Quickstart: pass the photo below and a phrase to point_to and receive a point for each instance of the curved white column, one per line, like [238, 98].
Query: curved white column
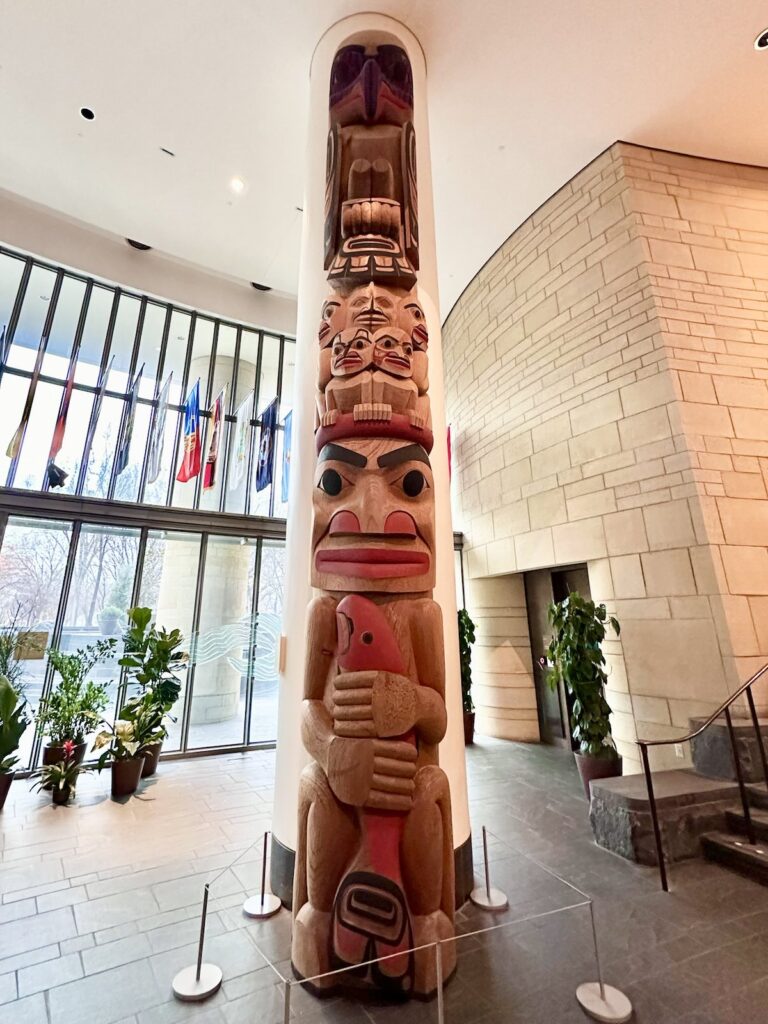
[313, 287]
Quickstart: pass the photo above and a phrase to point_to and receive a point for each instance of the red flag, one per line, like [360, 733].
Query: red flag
[211, 461]
[190, 464]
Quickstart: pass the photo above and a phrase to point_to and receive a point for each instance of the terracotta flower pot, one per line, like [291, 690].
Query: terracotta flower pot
[469, 728]
[151, 757]
[591, 767]
[61, 796]
[126, 775]
[54, 752]
[5, 784]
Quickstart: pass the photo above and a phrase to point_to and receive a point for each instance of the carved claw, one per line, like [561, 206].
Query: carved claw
[329, 418]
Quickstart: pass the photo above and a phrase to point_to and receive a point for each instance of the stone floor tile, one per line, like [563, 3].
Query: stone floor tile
[108, 997]
[113, 954]
[50, 974]
[31, 1010]
[34, 932]
[8, 990]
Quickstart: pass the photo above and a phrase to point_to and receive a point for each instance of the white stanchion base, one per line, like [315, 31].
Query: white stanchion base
[497, 901]
[189, 989]
[261, 906]
[615, 1008]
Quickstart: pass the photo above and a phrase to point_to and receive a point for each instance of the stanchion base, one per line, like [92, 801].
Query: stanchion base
[614, 1008]
[189, 989]
[496, 901]
[261, 906]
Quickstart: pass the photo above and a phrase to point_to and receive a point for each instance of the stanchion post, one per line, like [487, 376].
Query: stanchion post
[602, 1002]
[286, 1002]
[266, 903]
[439, 978]
[193, 984]
[487, 897]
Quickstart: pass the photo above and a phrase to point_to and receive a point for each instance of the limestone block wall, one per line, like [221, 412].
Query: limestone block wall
[593, 370]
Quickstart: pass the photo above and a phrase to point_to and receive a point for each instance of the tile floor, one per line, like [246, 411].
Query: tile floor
[100, 904]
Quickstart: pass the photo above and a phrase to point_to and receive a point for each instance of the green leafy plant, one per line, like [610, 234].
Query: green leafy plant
[16, 640]
[153, 659]
[466, 639]
[120, 740]
[63, 775]
[73, 709]
[575, 659]
[13, 722]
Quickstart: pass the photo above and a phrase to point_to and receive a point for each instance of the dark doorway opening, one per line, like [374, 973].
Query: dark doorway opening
[541, 587]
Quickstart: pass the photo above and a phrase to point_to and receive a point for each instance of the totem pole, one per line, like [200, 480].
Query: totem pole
[374, 874]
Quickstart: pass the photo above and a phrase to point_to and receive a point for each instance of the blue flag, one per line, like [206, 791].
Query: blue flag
[190, 463]
[266, 446]
[286, 481]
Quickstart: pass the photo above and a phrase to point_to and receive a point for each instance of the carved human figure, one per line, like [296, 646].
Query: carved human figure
[374, 713]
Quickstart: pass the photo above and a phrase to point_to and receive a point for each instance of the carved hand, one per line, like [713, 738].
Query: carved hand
[375, 704]
[372, 773]
[329, 418]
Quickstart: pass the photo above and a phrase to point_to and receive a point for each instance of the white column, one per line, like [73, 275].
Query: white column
[313, 287]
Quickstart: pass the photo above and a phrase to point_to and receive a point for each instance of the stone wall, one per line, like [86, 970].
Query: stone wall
[598, 372]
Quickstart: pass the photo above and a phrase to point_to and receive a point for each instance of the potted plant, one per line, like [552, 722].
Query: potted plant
[466, 639]
[152, 658]
[61, 778]
[575, 659]
[13, 722]
[73, 709]
[122, 754]
[109, 619]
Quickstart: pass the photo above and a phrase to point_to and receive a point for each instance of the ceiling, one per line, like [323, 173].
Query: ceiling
[523, 93]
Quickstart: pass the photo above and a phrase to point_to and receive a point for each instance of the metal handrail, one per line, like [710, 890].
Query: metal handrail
[724, 708]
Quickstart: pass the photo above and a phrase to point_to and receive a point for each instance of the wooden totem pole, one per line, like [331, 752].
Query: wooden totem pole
[374, 874]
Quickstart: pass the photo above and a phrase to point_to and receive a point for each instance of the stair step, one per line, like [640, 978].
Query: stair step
[736, 823]
[735, 852]
[758, 795]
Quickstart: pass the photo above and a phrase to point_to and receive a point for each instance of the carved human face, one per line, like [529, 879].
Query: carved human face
[393, 352]
[372, 307]
[374, 518]
[411, 319]
[352, 351]
[332, 319]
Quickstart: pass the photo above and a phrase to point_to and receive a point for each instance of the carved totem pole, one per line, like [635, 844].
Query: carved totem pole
[374, 872]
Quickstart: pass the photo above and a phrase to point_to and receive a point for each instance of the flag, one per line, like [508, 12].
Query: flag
[286, 480]
[126, 433]
[157, 440]
[190, 464]
[240, 452]
[56, 475]
[3, 346]
[266, 446]
[212, 458]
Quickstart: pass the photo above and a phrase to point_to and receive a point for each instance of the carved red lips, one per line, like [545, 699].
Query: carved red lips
[372, 563]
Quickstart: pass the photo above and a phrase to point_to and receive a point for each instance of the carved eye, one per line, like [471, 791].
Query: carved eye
[330, 482]
[367, 637]
[414, 483]
[387, 343]
[359, 344]
[408, 350]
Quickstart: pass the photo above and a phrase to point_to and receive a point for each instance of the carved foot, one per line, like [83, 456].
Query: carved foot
[372, 411]
[426, 929]
[310, 948]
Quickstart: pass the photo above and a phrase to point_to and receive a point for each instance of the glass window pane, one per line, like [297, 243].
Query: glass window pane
[102, 453]
[184, 494]
[100, 594]
[64, 327]
[33, 457]
[71, 454]
[270, 360]
[223, 376]
[32, 562]
[221, 646]
[11, 270]
[237, 466]
[94, 334]
[127, 482]
[13, 395]
[149, 347]
[266, 653]
[29, 329]
[155, 491]
[122, 343]
[176, 354]
[289, 367]
[168, 587]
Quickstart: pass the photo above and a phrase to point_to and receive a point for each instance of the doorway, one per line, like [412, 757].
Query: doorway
[541, 587]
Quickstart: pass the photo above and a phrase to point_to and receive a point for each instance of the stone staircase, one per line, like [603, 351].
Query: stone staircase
[733, 849]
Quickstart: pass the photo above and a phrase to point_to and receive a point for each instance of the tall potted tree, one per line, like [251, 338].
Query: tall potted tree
[13, 722]
[466, 639]
[575, 659]
[153, 659]
[73, 709]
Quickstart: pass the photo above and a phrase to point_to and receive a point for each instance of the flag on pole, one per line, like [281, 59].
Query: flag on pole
[240, 451]
[3, 345]
[157, 439]
[212, 458]
[126, 434]
[56, 475]
[286, 478]
[190, 464]
[266, 446]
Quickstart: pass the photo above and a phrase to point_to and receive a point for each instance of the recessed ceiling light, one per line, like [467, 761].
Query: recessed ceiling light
[761, 43]
[237, 185]
[89, 115]
[261, 287]
[141, 246]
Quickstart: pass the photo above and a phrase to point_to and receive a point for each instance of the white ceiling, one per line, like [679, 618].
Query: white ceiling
[523, 93]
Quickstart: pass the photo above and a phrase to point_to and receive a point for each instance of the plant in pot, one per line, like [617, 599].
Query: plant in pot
[152, 659]
[13, 722]
[466, 639]
[575, 659]
[73, 709]
[109, 619]
[61, 778]
[122, 753]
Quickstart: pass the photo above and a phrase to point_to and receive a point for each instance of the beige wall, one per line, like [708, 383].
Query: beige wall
[608, 400]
